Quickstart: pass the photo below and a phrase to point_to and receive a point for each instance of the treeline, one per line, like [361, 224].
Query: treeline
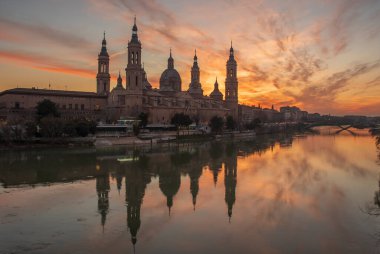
[47, 124]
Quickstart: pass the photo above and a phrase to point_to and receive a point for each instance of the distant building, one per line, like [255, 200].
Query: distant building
[293, 113]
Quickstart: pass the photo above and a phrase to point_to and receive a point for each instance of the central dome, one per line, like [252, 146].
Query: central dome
[170, 79]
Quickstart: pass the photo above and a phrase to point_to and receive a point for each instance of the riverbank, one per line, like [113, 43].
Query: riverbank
[49, 142]
[150, 138]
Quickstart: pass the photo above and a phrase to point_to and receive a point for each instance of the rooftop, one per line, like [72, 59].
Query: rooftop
[37, 91]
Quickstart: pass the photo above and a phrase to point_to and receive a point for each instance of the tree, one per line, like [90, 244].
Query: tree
[216, 124]
[51, 127]
[92, 127]
[230, 123]
[69, 129]
[46, 108]
[181, 119]
[30, 129]
[82, 128]
[136, 129]
[254, 124]
[143, 117]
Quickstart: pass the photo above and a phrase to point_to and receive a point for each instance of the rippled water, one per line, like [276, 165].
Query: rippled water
[274, 194]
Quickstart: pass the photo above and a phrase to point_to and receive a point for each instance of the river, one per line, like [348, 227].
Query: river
[309, 193]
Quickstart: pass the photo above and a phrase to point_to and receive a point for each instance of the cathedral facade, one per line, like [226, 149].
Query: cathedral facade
[127, 99]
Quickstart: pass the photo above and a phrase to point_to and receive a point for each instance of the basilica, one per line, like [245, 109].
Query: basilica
[137, 95]
[127, 99]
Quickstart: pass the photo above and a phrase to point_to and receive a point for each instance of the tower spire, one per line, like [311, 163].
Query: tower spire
[195, 57]
[134, 32]
[170, 60]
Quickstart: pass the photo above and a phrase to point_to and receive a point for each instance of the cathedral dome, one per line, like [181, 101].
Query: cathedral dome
[170, 79]
[216, 94]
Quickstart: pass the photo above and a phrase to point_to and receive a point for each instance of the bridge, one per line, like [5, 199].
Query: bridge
[342, 126]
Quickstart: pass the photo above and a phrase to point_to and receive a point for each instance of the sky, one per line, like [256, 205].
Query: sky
[320, 55]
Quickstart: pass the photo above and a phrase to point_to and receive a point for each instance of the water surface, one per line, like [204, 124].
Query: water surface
[273, 194]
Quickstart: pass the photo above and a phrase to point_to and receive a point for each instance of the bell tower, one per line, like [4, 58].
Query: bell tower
[134, 74]
[231, 85]
[134, 71]
[195, 87]
[103, 77]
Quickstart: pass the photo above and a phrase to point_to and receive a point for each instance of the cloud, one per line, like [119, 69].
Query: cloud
[26, 32]
[325, 92]
[45, 63]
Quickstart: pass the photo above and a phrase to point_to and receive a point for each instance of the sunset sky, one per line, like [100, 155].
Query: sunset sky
[320, 55]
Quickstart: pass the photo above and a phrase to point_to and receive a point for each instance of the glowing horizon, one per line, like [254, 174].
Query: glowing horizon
[319, 55]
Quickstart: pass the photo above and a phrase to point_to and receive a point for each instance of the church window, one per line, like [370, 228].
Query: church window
[17, 104]
[133, 57]
[136, 80]
[105, 86]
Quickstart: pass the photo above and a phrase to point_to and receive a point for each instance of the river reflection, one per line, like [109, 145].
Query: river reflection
[272, 194]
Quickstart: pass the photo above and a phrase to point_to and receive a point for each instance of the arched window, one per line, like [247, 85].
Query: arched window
[136, 80]
[137, 57]
[133, 58]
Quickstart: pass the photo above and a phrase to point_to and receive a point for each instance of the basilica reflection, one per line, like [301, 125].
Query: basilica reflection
[171, 164]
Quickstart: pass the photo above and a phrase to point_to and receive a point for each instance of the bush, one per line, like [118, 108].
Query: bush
[70, 129]
[82, 128]
[92, 127]
[136, 129]
[181, 119]
[230, 123]
[216, 124]
[256, 123]
[51, 127]
[143, 117]
[30, 129]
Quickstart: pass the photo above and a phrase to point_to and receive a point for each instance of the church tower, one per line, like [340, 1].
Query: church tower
[134, 74]
[195, 87]
[102, 189]
[230, 178]
[231, 85]
[103, 77]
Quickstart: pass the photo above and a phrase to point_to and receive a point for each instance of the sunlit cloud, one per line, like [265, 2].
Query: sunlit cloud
[301, 54]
